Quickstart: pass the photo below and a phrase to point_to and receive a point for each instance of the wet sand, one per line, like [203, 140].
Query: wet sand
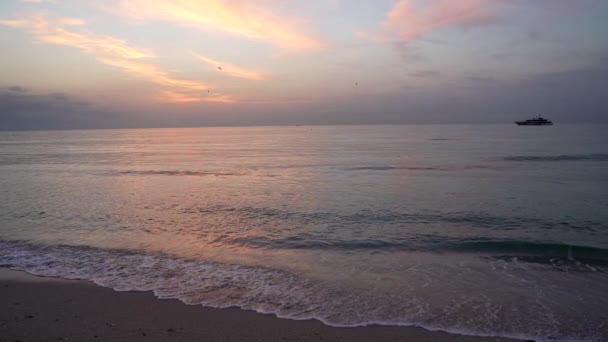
[49, 309]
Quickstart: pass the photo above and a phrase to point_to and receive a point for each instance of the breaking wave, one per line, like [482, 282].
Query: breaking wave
[282, 293]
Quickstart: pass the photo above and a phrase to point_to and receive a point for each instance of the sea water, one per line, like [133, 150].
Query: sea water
[477, 229]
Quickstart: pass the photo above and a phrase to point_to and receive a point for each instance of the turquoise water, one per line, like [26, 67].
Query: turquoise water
[482, 229]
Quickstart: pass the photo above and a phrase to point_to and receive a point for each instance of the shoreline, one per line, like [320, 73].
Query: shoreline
[54, 309]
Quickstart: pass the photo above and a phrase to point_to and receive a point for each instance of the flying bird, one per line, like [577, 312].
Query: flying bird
[219, 68]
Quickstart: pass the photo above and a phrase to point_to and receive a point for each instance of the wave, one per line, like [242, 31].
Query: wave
[173, 173]
[287, 295]
[389, 217]
[420, 168]
[531, 248]
[568, 157]
[593, 255]
[192, 281]
[301, 242]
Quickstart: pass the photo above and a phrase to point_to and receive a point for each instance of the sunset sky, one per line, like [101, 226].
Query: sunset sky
[157, 63]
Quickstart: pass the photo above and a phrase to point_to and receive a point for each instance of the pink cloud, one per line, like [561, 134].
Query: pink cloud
[54, 31]
[233, 70]
[118, 54]
[250, 19]
[409, 20]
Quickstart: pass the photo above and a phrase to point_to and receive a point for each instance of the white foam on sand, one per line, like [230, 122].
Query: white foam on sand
[263, 290]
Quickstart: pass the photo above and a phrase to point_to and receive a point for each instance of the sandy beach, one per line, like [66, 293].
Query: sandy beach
[49, 309]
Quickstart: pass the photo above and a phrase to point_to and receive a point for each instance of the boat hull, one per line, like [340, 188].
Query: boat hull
[519, 123]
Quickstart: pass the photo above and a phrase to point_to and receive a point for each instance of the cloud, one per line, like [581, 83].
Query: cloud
[180, 91]
[53, 31]
[107, 50]
[425, 73]
[250, 19]
[17, 89]
[487, 80]
[152, 73]
[174, 97]
[233, 70]
[24, 109]
[17, 99]
[409, 20]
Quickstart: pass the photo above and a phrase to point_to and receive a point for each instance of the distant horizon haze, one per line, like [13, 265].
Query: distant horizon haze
[297, 125]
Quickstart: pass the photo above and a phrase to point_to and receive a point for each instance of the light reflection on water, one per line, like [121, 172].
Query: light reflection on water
[451, 227]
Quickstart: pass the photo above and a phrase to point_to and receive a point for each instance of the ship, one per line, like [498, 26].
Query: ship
[538, 121]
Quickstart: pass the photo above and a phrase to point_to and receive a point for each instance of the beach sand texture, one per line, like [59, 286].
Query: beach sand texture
[50, 309]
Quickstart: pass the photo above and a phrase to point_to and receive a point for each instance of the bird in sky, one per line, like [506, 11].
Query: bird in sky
[219, 67]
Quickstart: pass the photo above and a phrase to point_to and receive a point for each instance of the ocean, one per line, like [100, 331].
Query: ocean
[492, 230]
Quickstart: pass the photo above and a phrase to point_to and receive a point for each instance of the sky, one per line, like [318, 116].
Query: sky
[68, 64]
